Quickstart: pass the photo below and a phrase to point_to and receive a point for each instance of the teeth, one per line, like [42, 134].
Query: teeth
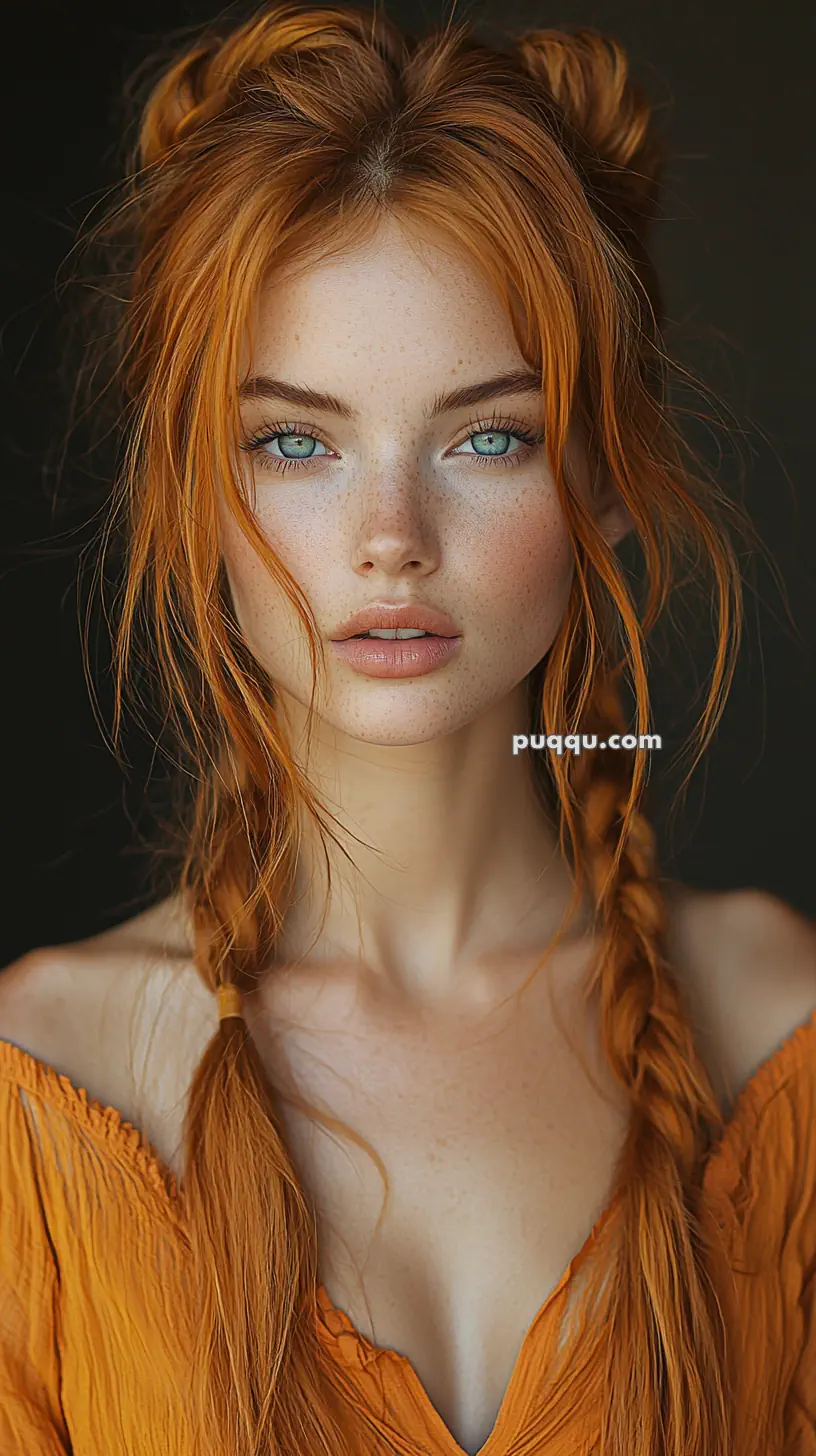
[393, 633]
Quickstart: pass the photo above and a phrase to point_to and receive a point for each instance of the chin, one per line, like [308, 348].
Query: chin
[399, 728]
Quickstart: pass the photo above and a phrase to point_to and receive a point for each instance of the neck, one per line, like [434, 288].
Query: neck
[457, 871]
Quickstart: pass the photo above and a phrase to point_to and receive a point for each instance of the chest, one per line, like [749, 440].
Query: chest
[499, 1153]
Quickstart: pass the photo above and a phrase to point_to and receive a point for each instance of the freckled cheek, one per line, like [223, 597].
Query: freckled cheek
[523, 564]
[309, 543]
[304, 545]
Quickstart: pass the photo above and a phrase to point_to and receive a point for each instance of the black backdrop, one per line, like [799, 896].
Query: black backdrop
[736, 248]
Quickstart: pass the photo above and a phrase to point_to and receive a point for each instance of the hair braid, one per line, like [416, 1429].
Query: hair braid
[236, 875]
[661, 1280]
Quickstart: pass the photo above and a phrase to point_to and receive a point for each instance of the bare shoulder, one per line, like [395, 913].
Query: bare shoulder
[121, 1013]
[747, 961]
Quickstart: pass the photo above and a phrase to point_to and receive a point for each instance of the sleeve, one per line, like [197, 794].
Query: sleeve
[800, 1404]
[31, 1417]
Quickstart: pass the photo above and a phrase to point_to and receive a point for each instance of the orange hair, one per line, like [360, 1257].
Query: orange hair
[282, 140]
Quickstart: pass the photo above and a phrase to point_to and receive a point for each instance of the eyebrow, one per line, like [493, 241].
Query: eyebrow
[519, 381]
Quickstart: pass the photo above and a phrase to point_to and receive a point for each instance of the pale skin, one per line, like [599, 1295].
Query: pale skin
[498, 1149]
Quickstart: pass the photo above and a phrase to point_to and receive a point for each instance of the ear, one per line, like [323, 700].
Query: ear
[611, 514]
[600, 496]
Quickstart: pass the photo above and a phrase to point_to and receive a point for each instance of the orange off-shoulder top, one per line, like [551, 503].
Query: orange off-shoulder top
[92, 1286]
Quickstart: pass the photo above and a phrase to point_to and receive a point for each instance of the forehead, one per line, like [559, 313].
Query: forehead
[403, 308]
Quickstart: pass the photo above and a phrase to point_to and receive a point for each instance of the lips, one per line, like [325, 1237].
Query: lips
[409, 657]
[390, 616]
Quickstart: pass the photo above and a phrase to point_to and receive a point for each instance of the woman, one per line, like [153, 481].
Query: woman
[391, 362]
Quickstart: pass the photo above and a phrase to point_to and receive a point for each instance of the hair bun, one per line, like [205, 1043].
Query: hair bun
[183, 97]
[198, 85]
[587, 73]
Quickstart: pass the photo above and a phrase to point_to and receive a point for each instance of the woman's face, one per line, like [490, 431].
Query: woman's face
[392, 501]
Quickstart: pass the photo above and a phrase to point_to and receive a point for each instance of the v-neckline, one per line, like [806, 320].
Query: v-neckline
[333, 1322]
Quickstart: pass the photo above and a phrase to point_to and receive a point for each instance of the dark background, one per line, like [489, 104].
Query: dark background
[736, 248]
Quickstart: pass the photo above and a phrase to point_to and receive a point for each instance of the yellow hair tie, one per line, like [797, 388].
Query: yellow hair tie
[229, 1001]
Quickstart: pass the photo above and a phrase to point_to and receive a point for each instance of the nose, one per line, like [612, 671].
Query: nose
[396, 535]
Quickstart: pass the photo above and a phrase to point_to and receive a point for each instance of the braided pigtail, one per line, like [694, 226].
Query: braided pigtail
[667, 1369]
[259, 1381]
[251, 1227]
